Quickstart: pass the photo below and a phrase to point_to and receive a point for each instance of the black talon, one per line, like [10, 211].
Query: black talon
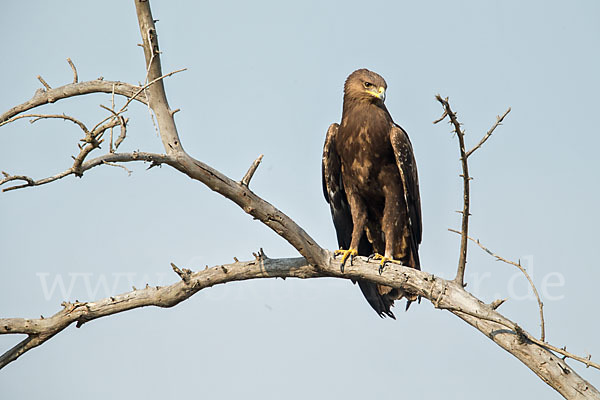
[381, 267]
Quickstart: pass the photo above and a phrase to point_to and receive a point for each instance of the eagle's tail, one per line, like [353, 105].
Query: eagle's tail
[381, 303]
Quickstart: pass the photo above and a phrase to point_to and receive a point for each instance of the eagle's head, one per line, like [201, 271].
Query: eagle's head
[365, 86]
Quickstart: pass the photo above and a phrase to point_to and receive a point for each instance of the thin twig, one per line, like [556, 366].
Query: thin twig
[37, 117]
[70, 90]
[75, 77]
[518, 265]
[246, 179]
[137, 93]
[44, 82]
[155, 159]
[122, 123]
[112, 107]
[585, 360]
[499, 119]
[440, 119]
[462, 261]
[112, 164]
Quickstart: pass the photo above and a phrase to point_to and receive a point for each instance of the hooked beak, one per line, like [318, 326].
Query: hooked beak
[378, 92]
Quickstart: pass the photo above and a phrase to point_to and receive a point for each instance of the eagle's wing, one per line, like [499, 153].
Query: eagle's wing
[333, 189]
[407, 166]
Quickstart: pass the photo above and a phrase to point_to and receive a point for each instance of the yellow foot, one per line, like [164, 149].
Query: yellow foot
[350, 253]
[384, 260]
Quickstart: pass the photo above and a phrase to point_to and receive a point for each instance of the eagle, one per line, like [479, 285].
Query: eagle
[371, 184]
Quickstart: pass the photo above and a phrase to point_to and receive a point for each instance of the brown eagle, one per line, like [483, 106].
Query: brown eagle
[370, 182]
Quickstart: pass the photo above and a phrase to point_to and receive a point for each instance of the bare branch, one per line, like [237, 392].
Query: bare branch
[158, 98]
[93, 141]
[44, 82]
[462, 261]
[140, 90]
[246, 179]
[112, 107]
[9, 178]
[42, 97]
[444, 294]
[499, 120]
[47, 116]
[318, 262]
[518, 265]
[75, 77]
[122, 123]
[129, 172]
[440, 119]
[155, 159]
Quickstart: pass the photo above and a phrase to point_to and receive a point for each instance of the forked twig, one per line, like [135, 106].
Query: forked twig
[518, 265]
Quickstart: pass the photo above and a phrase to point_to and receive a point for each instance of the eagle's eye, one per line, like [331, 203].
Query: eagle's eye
[368, 84]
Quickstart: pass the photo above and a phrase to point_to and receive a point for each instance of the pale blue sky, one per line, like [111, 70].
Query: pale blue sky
[266, 78]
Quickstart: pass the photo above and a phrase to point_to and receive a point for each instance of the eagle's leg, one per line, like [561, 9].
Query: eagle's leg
[350, 253]
[392, 227]
[359, 218]
[384, 260]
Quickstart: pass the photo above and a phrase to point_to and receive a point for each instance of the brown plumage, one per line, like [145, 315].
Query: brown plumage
[370, 182]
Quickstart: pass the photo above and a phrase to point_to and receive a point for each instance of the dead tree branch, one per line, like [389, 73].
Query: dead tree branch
[75, 77]
[442, 293]
[518, 265]
[462, 261]
[110, 158]
[316, 261]
[499, 120]
[246, 179]
[44, 82]
[42, 97]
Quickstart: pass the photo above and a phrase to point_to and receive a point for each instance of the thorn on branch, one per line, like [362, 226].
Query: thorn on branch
[184, 273]
[246, 179]
[497, 303]
[44, 82]
[153, 164]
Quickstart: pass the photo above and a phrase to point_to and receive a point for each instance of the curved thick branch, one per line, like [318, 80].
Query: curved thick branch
[442, 293]
[235, 191]
[42, 96]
